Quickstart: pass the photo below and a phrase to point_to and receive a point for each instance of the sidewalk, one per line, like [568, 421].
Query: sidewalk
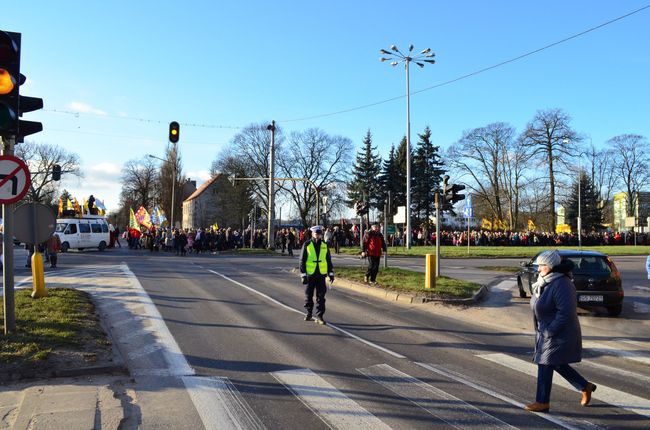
[154, 396]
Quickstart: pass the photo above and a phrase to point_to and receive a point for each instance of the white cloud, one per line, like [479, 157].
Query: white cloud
[85, 108]
[199, 175]
[106, 168]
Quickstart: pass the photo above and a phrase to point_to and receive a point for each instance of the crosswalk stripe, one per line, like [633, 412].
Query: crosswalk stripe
[438, 403]
[605, 394]
[617, 351]
[562, 421]
[220, 405]
[332, 406]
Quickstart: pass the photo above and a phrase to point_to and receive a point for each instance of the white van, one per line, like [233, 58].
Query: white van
[91, 231]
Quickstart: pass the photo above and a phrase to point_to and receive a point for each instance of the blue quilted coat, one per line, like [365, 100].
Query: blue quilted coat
[558, 339]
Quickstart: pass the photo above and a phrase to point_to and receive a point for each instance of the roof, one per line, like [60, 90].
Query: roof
[203, 187]
[578, 253]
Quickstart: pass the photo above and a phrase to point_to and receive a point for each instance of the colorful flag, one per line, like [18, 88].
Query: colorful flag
[68, 206]
[133, 223]
[161, 216]
[486, 224]
[75, 204]
[531, 225]
[154, 216]
[60, 211]
[143, 217]
[101, 209]
[215, 226]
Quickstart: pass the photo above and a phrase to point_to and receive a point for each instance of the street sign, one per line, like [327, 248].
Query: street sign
[34, 223]
[468, 212]
[400, 216]
[14, 179]
[630, 221]
[391, 229]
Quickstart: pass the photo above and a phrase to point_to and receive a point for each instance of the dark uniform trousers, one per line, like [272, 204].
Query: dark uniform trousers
[315, 282]
[373, 268]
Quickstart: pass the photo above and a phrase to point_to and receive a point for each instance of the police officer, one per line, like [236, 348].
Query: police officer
[315, 265]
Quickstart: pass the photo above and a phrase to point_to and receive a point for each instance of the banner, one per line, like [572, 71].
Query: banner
[531, 225]
[143, 217]
[486, 224]
[133, 223]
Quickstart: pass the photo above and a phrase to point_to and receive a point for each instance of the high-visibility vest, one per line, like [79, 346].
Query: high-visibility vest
[310, 264]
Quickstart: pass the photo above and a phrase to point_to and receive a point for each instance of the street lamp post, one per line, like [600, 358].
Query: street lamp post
[579, 219]
[271, 213]
[425, 56]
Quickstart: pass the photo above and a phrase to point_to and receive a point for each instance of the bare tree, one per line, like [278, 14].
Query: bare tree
[632, 165]
[603, 175]
[40, 158]
[322, 159]
[239, 196]
[496, 163]
[171, 175]
[140, 183]
[550, 136]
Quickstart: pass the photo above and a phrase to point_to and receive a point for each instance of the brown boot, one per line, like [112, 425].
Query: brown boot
[538, 407]
[586, 393]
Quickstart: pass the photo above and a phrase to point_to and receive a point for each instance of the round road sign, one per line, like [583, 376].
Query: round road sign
[14, 179]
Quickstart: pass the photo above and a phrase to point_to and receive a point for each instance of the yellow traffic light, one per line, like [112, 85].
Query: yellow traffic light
[7, 82]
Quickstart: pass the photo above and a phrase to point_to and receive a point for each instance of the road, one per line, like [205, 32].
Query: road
[237, 322]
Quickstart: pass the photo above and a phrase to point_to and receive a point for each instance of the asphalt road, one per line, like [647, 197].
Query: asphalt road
[238, 322]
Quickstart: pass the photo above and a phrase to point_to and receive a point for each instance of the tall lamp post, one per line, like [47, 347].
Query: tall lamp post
[579, 219]
[425, 56]
[269, 228]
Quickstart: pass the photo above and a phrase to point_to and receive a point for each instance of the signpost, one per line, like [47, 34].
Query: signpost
[14, 179]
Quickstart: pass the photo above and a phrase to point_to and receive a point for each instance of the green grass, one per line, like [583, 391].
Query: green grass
[408, 280]
[64, 319]
[502, 251]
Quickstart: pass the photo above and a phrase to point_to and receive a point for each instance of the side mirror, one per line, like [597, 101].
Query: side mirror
[523, 263]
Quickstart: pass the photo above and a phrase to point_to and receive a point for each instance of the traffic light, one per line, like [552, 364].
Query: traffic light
[174, 131]
[12, 104]
[56, 172]
[450, 192]
[361, 208]
[455, 196]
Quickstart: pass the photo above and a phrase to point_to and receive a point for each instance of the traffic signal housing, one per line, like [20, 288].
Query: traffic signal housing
[174, 131]
[361, 207]
[451, 192]
[12, 104]
[56, 172]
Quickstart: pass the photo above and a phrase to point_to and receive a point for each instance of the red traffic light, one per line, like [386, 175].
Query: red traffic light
[174, 131]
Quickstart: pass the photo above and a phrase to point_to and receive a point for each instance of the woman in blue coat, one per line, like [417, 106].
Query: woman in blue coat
[558, 339]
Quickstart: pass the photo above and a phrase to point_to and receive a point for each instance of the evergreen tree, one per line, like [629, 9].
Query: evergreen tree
[389, 181]
[427, 171]
[365, 181]
[399, 199]
[591, 211]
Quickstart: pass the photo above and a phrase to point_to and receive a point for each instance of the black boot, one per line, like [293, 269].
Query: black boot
[308, 317]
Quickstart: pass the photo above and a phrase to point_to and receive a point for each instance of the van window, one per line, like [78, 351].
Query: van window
[96, 228]
[84, 228]
[60, 227]
[104, 228]
[72, 229]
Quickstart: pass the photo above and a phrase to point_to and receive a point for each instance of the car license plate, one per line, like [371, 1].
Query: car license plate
[590, 298]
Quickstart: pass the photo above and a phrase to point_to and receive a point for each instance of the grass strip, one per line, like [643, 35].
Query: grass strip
[503, 251]
[411, 281]
[64, 319]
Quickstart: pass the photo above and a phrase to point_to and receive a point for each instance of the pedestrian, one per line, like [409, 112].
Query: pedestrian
[647, 266]
[117, 236]
[558, 338]
[53, 249]
[373, 245]
[315, 265]
[291, 241]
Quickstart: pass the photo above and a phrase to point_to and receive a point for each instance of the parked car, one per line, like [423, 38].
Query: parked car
[597, 280]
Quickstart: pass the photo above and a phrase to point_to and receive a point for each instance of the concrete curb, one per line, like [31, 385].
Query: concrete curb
[406, 297]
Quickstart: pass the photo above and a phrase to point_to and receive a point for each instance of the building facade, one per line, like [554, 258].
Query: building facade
[207, 206]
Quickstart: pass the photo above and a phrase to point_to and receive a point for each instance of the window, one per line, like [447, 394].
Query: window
[84, 228]
[60, 227]
[96, 228]
[104, 228]
[72, 229]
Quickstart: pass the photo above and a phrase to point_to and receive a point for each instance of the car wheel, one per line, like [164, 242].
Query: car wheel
[102, 245]
[615, 311]
[65, 246]
[522, 292]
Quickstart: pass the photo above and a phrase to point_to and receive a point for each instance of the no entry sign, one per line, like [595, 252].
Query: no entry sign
[14, 179]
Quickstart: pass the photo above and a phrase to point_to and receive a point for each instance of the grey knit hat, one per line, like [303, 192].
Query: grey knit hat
[548, 258]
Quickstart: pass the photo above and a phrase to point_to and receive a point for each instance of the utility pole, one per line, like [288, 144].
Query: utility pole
[271, 211]
[437, 234]
[8, 254]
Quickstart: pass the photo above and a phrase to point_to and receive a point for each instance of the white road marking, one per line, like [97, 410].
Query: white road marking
[617, 370]
[506, 285]
[564, 422]
[605, 394]
[329, 404]
[289, 308]
[220, 405]
[617, 351]
[640, 288]
[641, 308]
[450, 409]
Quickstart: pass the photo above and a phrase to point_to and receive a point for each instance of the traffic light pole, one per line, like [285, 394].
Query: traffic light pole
[8, 254]
[438, 220]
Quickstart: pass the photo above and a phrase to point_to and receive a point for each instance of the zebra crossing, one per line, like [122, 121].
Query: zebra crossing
[220, 405]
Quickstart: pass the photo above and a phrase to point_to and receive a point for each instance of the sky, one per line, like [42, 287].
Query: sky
[114, 74]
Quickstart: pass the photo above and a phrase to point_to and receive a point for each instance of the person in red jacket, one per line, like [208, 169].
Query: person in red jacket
[373, 245]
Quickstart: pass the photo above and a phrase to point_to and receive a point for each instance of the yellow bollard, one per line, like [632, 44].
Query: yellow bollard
[430, 276]
[38, 277]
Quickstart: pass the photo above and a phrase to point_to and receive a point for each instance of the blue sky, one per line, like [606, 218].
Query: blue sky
[114, 74]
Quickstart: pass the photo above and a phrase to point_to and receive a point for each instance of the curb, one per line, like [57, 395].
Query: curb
[405, 297]
[23, 376]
